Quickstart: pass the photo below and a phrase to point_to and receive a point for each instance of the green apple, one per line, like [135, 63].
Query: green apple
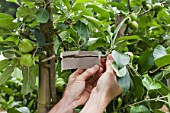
[157, 7]
[60, 83]
[134, 25]
[26, 46]
[133, 16]
[27, 60]
[148, 6]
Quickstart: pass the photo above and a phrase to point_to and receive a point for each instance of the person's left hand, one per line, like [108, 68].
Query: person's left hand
[80, 85]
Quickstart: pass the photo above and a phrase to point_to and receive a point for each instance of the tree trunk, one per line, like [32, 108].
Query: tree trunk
[118, 20]
[47, 91]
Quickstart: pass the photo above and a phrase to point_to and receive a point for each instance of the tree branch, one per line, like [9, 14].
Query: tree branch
[142, 101]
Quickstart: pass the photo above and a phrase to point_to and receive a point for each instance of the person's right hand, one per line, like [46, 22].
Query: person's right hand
[107, 83]
[106, 89]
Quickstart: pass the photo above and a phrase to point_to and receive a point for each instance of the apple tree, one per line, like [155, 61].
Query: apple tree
[135, 32]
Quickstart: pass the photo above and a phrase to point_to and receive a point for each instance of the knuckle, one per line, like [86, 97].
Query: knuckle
[110, 73]
[89, 71]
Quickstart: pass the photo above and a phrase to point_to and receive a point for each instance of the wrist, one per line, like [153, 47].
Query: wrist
[63, 106]
[97, 103]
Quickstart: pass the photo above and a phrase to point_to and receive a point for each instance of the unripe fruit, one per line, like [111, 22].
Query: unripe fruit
[60, 84]
[26, 46]
[134, 25]
[27, 60]
[133, 16]
[148, 6]
[129, 20]
[157, 7]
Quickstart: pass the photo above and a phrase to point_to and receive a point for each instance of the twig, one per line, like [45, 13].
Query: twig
[65, 47]
[146, 100]
[157, 69]
[51, 58]
[129, 6]
[27, 37]
[145, 12]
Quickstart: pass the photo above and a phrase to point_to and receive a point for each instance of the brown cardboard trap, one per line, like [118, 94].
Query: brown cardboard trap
[79, 59]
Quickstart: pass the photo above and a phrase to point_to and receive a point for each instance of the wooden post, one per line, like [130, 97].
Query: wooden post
[47, 91]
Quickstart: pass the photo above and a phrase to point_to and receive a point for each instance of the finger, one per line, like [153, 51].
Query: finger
[89, 87]
[103, 62]
[96, 76]
[109, 62]
[77, 73]
[95, 82]
[89, 72]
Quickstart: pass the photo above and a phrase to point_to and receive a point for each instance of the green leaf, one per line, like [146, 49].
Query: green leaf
[144, 109]
[119, 6]
[100, 11]
[125, 38]
[17, 73]
[7, 23]
[163, 61]
[39, 37]
[62, 26]
[116, 32]
[102, 1]
[94, 21]
[169, 99]
[82, 1]
[145, 61]
[139, 109]
[82, 30]
[13, 110]
[28, 14]
[154, 85]
[66, 3]
[42, 15]
[159, 51]
[149, 84]
[30, 104]
[135, 109]
[25, 11]
[28, 81]
[120, 72]
[4, 32]
[124, 82]
[100, 42]
[6, 74]
[28, 0]
[163, 14]
[155, 105]
[139, 89]
[164, 90]
[120, 59]
[7, 90]
[23, 110]
[4, 64]
[168, 50]
[15, 1]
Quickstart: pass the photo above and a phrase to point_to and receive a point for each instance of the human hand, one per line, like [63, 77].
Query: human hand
[80, 85]
[77, 92]
[106, 89]
[107, 83]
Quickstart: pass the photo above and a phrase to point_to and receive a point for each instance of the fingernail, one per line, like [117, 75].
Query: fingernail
[110, 57]
[96, 67]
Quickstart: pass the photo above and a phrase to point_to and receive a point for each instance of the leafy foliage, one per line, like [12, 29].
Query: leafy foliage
[142, 54]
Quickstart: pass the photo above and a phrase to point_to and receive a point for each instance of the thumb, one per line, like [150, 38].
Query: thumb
[109, 62]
